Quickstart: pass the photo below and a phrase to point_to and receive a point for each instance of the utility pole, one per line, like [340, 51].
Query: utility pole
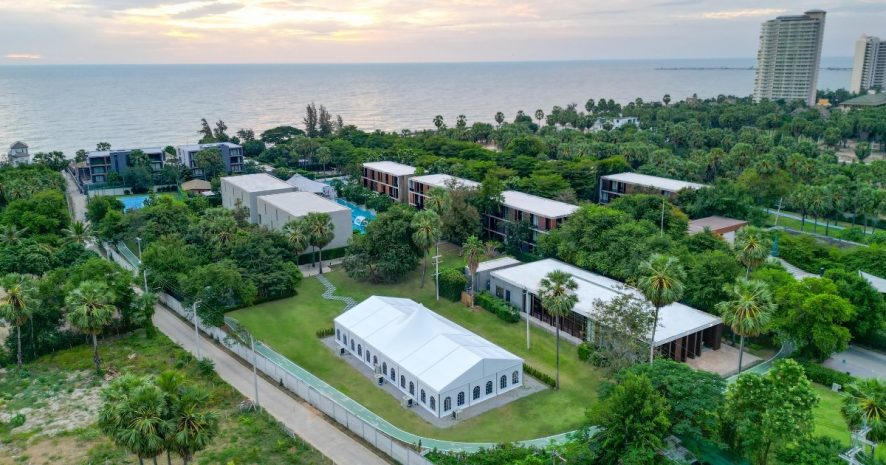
[145, 274]
[437, 274]
[778, 213]
[254, 370]
[196, 329]
[661, 228]
[526, 311]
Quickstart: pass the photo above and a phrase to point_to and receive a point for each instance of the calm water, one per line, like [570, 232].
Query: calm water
[71, 107]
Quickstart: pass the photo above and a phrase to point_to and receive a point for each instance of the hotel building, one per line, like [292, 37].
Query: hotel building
[789, 56]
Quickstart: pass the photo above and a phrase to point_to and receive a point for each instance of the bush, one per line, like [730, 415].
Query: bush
[330, 254]
[599, 360]
[584, 351]
[824, 375]
[325, 332]
[452, 282]
[497, 306]
[876, 340]
[205, 366]
[544, 378]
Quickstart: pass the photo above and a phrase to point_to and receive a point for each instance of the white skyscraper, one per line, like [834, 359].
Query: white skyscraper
[869, 67]
[788, 58]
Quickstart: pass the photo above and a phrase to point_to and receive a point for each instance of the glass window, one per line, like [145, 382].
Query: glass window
[461, 399]
[375, 360]
[422, 395]
[352, 344]
[402, 381]
[476, 393]
[338, 334]
[515, 378]
[393, 375]
[411, 388]
[447, 404]
[489, 388]
[359, 349]
[384, 368]
[345, 339]
[433, 403]
[504, 382]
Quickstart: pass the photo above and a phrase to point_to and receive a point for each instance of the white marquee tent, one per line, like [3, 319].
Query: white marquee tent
[436, 362]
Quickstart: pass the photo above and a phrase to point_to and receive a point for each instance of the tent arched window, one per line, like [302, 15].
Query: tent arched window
[352, 345]
[402, 381]
[504, 382]
[433, 403]
[447, 404]
[384, 368]
[461, 399]
[344, 339]
[367, 355]
[374, 360]
[476, 393]
[488, 387]
[515, 378]
[422, 396]
[359, 349]
[411, 388]
[338, 334]
[393, 375]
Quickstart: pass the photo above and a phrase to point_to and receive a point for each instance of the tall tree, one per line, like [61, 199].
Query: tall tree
[297, 235]
[90, 309]
[865, 405]
[427, 232]
[634, 418]
[193, 428]
[311, 121]
[752, 246]
[321, 231]
[473, 250]
[661, 282]
[748, 310]
[205, 130]
[78, 232]
[17, 304]
[133, 415]
[539, 115]
[499, 118]
[557, 294]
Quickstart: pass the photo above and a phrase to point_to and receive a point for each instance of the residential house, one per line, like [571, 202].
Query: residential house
[275, 210]
[613, 186]
[231, 155]
[719, 225]
[420, 185]
[246, 189]
[18, 154]
[541, 215]
[388, 178]
[101, 163]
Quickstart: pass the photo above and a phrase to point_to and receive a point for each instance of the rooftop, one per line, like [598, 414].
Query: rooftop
[665, 184]
[675, 320]
[19, 145]
[107, 153]
[302, 203]
[867, 100]
[715, 224]
[305, 184]
[444, 180]
[497, 263]
[877, 282]
[390, 167]
[256, 182]
[198, 147]
[196, 185]
[537, 205]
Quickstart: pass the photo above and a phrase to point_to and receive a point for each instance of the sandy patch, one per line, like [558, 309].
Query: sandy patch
[57, 410]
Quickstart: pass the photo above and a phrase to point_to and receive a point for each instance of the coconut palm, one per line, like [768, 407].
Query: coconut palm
[752, 246]
[865, 404]
[321, 231]
[427, 227]
[17, 305]
[539, 115]
[297, 235]
[90, 309]
[661, 282]
[437, 200]
[10, 234]
[78, 232]
[134, 416]
[557, 293]
[473, 250]
[748, 310]
[193, 428]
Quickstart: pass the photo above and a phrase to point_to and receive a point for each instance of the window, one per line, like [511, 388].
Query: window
[488, 388]
[447, 404]
[508, 295]
[344, 339]
[433, 403]
[515, 378]
[411, 388]
[402, 381]
[384, 368]
[393, 375]
[352, 345]
[499, 292]
[461, 399]
[338, 334]
[504, 382]
[359, 349]
[476, 393]
[374, 360]
[422, 395]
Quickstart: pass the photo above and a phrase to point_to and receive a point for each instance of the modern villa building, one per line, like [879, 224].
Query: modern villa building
[869, 66]
[18, 154]
[247, 188]
[305, 184]
[420, 185]
[101, 163]
[719, 225]
[435, 363]
[231, 155]
[388, 178]
[681, 332]
[789, 57]
[613, 186]
[275, 210]
[540, 213]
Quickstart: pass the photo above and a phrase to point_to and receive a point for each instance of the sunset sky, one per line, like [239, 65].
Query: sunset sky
[347, 31]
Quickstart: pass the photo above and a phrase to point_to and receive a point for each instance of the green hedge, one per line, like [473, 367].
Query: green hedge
[497, 306]
[452, 282]
[330, 254]
[824, 375]
[544, 378]
[584, 351]
[325, 332]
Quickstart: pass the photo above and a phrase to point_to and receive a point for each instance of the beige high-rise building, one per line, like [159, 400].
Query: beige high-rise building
[869, 67]
[789, 56]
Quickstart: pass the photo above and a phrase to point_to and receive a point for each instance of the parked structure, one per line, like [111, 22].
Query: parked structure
[436, 363]
[275, 210]
[789, 56]
[613, 186]
[305, 184]
[420, 185]
[388, 178]
[231, 155]
[101, 163]
[869, 66]
[719, 225]
[18, 154]
[541, 215]
[247, 188]
[681, 333]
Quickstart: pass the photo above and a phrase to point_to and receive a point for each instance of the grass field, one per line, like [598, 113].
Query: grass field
[289, 326]
[829, 422]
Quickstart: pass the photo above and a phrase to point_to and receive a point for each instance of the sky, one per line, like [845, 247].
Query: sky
[358, 31]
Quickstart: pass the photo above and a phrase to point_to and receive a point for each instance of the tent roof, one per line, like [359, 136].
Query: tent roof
[656, 182]
[437, 351]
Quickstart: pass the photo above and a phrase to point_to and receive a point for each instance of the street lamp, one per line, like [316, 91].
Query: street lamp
[138, 240]
[196, 328]
[254, 370]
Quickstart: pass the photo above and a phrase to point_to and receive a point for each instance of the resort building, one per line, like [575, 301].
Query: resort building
[541, 214]
[719, 225]
[18, 154]
[101, 163]
[869, 66]
[247, 188]
[305, 184]
[864, 101]
[681, 333]
[388, 178]
[420, 185]
[614, 123]
[613, 186]
[435, 363]
[231, 155]
[789, 56]
[275, 210]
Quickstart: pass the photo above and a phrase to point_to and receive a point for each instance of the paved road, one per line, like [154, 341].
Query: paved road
[859, 362]
[301, 419]
[76, 200]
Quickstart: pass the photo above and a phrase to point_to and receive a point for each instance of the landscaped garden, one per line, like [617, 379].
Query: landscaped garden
[290, 325]
[828, 420]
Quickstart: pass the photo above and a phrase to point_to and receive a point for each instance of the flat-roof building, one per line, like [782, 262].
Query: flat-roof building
[541, 214]
[275, 210]
[719, 225]
[613, 186]
[231, 156]
[869, 65]
[681, 331]
[438, 364]
[248, 188]
[420, 185]
[789, 56]
[388, 178]
[101, 163]
[305, 184]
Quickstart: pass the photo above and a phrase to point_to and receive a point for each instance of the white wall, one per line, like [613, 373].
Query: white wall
[274, 218]
[231, 193]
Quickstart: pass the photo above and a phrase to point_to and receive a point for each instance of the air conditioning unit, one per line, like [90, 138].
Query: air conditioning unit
[406, 401]
[380, 379]
[342, 351]
[456, 414]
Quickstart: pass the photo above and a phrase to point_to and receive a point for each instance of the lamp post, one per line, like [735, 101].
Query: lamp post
[437, 274]
[526, 311]
[138, 241]
[254, 370]
[196, 329]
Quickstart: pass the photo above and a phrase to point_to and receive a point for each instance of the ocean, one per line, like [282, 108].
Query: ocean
[71, 107]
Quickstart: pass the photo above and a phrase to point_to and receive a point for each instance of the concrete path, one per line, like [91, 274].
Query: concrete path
[299, 418]
[76, 200]
[329, 293]
[859, 362]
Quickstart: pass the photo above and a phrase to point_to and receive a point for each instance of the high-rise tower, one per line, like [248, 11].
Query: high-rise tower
[789, 56]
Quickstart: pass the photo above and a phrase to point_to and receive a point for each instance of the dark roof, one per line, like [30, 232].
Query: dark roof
[19, 145]
[867, 100]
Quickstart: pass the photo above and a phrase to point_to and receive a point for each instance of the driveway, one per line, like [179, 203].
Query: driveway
[862, 363]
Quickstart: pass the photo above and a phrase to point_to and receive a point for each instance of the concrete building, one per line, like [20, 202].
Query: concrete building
[681, 332]
[420, 185]
[613, 186]
[304, 184]
[18, 154]
[101, 163]
[601, 123]
[437, 365]
[869, 66]
[388, 178]
[789, 57]
[864, 101]
[275, 210]
[231, 155]
[541, 214]
[247, 189]
[719, 225]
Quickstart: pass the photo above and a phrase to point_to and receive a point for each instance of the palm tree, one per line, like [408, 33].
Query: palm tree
[557, 294]
[297, 236]
[499, 118]
[16, 305]
[472, 251]
[78, 232]
[748, 311]
[89, 311]
[438, 122]
[193, 428]
[10, 234]
[539, 115]
[865, 405]
[437, 200]
[427, 232]
[752, 246]
[133, 416]
[661, 282]
[321, 232]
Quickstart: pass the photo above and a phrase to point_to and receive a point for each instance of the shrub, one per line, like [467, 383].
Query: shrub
[599, 360]
[452, 282]
[17, 420]
[497, 306]
[330, 254]
[325, 332]
[824, 375]
[584, 351]
[544, 378]
[205, 366]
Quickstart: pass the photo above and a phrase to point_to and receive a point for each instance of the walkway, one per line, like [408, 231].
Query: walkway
[329, 293]
[76, 200]
[299, 418]
[858, 362]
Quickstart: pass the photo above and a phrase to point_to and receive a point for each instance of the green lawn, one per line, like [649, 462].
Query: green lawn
[809, 226]
[829, 422]
[289, 327]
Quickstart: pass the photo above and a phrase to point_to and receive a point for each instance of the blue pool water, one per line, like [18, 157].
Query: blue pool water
[360, 216]
[132, 202]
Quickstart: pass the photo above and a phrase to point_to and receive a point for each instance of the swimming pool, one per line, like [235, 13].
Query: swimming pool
[132, 202]
[360, 216]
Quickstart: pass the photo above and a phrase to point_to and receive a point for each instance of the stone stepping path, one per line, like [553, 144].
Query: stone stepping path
[329, 293]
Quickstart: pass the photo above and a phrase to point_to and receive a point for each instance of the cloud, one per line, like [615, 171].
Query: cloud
[24, 56]
[736, 14]
[208, 10]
